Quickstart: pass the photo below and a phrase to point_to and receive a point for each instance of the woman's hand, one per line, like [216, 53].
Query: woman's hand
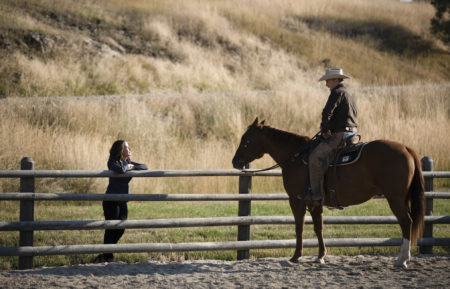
[130, 167]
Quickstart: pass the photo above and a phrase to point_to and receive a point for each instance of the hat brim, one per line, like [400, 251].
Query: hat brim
[333, 76]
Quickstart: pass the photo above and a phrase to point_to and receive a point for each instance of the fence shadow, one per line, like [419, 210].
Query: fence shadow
[146, 268]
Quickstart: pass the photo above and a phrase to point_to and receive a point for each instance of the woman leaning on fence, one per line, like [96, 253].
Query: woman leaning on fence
[119, 161]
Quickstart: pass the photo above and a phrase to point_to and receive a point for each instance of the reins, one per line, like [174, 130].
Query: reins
[266, 169]
[296, 155]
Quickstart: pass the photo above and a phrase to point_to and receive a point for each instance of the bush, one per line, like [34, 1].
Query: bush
[440, 24]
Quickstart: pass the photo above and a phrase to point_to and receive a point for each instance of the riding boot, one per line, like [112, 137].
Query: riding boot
[317, 196]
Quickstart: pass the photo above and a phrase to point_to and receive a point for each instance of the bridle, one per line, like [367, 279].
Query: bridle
[295, 156]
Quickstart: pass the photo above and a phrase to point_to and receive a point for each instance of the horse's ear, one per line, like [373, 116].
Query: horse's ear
[255, 122]
[262, 122]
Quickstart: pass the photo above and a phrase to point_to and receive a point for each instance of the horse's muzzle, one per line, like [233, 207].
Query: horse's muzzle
[237, 163]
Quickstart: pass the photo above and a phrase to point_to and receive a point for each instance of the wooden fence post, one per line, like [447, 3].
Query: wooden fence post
[427, 166]
[26, 212]
[245, 187]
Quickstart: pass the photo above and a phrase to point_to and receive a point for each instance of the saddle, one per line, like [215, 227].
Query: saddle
[346, 154]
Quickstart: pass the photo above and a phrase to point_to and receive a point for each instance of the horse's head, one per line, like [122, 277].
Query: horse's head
[251, 147]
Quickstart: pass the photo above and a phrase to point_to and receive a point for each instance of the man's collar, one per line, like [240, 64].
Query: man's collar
[338, 86]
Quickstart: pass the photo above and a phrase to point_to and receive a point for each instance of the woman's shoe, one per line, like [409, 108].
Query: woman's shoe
[99, 259]
[109, 257]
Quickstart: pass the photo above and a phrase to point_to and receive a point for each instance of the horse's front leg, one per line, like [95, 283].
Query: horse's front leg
[298, 210]
[317, 216]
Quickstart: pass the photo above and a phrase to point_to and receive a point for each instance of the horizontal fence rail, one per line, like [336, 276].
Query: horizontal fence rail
[163, 197]
[160, 174]
[135, 174]
[27, 196]
[202, 222]
[207, 246]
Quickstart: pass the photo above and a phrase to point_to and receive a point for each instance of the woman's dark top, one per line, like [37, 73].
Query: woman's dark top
[121, 185]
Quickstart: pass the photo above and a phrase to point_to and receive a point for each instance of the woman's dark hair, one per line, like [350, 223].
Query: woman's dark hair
[116, 150]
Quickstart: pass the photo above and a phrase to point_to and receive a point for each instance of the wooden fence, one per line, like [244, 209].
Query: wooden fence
[27, 225]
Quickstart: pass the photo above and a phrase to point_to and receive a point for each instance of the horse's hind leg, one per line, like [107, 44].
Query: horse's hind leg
[317, 216]
[401, 211]
[405, 254]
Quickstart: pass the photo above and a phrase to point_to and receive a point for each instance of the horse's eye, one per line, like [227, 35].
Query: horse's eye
[247, 143]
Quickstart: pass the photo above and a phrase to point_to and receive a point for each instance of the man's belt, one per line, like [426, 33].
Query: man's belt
[346, 129]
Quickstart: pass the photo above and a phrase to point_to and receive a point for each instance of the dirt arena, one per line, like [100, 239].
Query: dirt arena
[338, 272]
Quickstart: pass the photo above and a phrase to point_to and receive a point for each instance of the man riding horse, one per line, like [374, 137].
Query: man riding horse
[338, 120]
[384, 168]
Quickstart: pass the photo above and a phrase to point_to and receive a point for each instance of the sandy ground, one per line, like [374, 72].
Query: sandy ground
[338, 272]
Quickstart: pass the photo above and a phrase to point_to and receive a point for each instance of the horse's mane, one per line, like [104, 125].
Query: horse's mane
[285, 136]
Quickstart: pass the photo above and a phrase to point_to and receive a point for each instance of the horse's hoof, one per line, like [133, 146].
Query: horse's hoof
[320, 260]
[294, 260]
[401, 264]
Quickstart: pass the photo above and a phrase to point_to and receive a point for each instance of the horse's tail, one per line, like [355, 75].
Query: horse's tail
[417, 198]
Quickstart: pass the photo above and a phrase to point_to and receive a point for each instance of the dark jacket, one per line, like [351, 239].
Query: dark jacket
[121, 185]
[340, 110]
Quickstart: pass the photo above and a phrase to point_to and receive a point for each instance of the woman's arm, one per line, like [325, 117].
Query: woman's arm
[138, 166]
[118, 166]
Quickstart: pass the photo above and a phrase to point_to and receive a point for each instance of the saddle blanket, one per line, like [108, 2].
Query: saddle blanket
[349, 155]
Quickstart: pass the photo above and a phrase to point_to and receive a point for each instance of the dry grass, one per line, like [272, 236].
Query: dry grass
[201, 131]
[199, 49]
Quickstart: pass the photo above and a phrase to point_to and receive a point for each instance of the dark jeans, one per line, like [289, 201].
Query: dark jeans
[114, 211]
[319, 160]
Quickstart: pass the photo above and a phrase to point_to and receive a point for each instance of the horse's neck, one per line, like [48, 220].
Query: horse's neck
[282, 145]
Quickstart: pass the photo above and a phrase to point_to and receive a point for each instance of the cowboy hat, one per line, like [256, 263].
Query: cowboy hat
[333, 73]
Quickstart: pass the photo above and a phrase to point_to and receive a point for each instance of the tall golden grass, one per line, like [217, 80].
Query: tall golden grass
[202, 131]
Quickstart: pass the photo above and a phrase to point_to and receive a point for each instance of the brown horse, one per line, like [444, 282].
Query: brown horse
[385, 168]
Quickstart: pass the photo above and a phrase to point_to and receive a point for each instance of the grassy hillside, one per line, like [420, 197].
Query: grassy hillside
[111, 47]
